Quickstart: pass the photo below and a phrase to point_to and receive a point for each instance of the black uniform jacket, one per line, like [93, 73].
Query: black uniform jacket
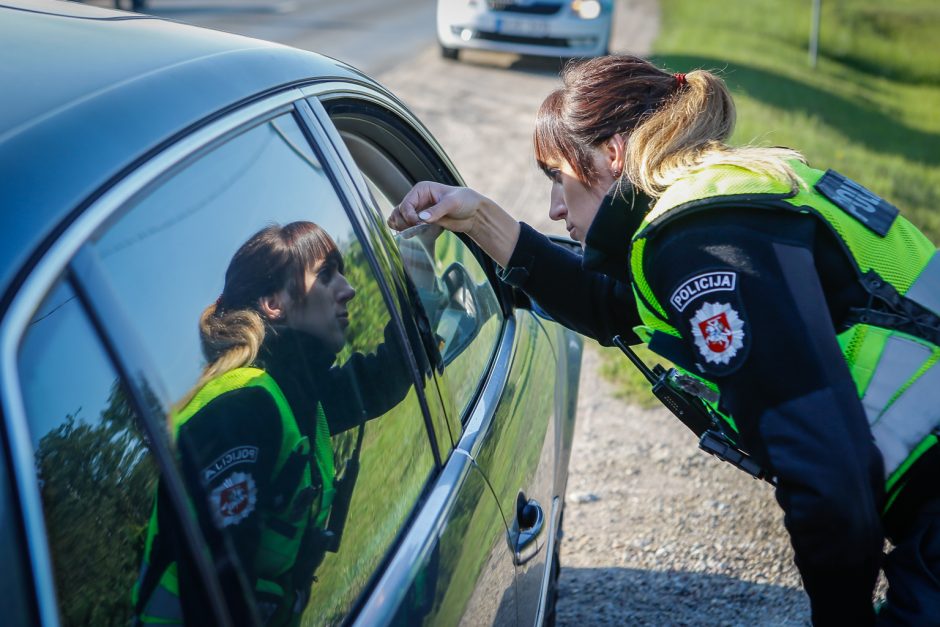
[758, 297]
[235, 439]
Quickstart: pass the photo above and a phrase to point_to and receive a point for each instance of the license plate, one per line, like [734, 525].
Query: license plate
[524, 28]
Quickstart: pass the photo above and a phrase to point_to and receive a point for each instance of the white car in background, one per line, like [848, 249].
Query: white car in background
[549, 28]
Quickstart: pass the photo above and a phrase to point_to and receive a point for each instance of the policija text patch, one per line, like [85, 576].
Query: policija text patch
[700, 285]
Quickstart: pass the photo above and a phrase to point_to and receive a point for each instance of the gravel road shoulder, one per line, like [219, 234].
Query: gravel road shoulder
[659, 533]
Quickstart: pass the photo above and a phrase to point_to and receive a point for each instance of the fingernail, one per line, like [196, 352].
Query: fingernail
[424, 215]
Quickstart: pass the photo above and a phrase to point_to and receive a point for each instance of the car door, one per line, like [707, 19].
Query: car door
[146, 260]
[501, 395]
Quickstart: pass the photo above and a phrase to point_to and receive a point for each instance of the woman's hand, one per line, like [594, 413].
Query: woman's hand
[462, 210]
[453, 208]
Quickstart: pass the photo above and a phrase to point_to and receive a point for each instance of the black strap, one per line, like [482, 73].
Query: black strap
[284, 486]
[690, 411]
[888, 309]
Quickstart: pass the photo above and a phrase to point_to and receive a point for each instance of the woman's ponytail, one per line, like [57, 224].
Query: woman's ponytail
[696, 118]
[230, 340]
[689, 131]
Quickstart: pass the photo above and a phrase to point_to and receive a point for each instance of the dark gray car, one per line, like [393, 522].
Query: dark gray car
[136, 155]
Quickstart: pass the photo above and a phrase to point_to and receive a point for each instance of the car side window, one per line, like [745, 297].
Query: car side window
[298, 427]
[452, 285]
[95, 472]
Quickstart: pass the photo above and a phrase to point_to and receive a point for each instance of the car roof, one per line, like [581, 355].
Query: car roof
[85, 92]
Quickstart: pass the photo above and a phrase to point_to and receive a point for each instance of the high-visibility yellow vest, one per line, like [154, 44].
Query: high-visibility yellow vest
[281, 530]
[894, 371]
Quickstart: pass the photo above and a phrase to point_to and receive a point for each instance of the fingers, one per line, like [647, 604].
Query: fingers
[422, 196]
[420, 205]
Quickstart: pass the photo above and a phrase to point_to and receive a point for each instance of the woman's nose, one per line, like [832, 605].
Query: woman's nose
[346, 291]
[556, 208]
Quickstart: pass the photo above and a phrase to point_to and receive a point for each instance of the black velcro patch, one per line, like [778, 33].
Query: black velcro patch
[871, 210]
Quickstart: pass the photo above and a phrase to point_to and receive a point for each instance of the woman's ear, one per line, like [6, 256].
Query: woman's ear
[274, 306]
[616, 153]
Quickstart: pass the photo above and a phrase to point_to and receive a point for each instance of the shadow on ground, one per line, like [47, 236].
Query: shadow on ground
[546, 66]
[539, 66]
[859, 120]
[628, 596]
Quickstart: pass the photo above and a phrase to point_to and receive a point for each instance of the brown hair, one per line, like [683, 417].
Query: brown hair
[671, 125]
[277, 257]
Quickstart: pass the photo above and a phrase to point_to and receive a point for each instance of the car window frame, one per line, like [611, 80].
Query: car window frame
[444, 432]
[70, 255]
[427, 154]
[428, 157]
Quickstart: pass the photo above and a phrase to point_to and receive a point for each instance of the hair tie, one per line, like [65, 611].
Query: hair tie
[680, 79]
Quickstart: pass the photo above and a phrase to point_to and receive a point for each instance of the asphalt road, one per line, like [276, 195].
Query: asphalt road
[372, 35]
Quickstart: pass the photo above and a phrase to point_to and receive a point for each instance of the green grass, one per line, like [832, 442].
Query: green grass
[387, 489]
[870, 109]
[631, 385]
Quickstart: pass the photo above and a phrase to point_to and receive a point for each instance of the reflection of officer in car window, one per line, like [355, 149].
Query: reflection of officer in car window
[254, 435]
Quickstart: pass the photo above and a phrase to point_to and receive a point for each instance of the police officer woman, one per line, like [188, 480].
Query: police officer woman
[254, 434]
[805, 300]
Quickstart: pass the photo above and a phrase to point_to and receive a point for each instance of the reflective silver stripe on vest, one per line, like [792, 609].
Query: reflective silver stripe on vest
[926, 288]
[899, 360]
[902, 426]
[163, 608]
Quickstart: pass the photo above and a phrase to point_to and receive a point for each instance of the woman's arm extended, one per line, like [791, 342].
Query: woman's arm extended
[592, 303]
[462, 210]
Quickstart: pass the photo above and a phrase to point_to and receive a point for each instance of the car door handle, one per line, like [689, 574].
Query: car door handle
[530, 519]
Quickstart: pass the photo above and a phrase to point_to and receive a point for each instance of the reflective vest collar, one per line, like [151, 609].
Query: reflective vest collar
[731, 184]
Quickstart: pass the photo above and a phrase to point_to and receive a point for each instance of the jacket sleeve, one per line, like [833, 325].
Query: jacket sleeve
[744, 291]
[229, 450]
[367, 385]
[591, 303]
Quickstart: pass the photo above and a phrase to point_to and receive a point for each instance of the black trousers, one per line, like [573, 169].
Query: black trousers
[913, 573]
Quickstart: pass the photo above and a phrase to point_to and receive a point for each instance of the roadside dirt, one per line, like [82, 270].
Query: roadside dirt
[656, 532]
[659, 533]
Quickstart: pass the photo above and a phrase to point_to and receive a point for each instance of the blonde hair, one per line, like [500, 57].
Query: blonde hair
[674, 124]
[689, 132]
[229, 340]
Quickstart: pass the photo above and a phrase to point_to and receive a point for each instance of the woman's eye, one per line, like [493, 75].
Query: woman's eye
[326, 274]
[555, 175]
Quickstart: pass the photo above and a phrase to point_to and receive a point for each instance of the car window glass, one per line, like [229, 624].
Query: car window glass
[95, 473]
[304, 447]
[452, 285]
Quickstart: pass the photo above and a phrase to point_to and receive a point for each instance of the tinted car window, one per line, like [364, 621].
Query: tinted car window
[95, 472]
[309, 479]
[460, 304]
[460, 301]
